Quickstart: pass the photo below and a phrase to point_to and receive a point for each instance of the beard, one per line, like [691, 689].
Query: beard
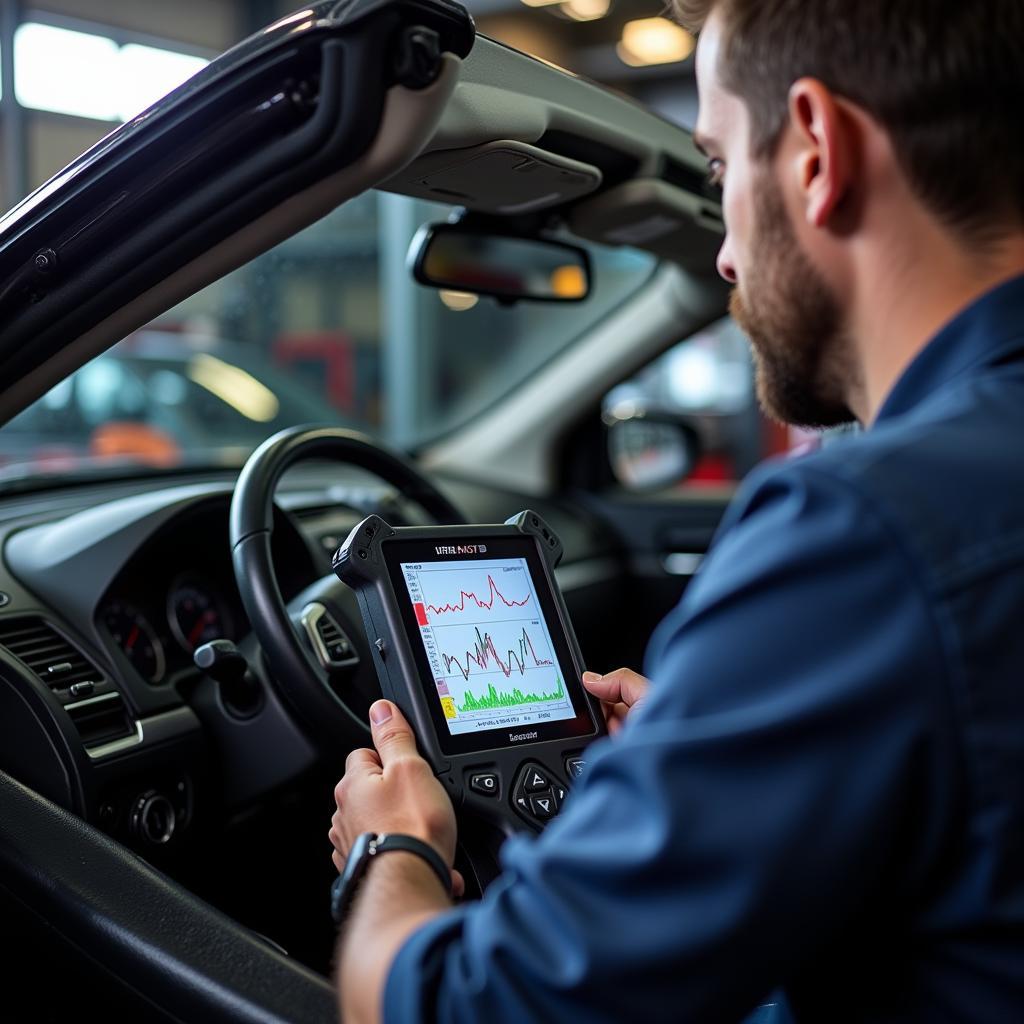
[803, 355]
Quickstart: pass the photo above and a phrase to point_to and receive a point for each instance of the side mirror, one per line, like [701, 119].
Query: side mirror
[650, 449]
[508, 268]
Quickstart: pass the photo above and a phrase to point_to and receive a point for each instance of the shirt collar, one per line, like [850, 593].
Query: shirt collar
[985, 333]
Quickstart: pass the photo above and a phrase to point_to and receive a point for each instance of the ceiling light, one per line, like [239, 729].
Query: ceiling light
[654, 41]
[66, 72]
[586, 10]
[540, 3]
[98, 79]
[233, 385]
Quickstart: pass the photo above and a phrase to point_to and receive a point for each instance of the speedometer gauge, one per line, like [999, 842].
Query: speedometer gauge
[195, 615]
[137, 638]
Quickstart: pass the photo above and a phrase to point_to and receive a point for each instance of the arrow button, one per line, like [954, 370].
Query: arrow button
[535, 781]
[543, 807]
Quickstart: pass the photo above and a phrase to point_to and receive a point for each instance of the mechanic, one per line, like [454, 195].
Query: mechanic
[823, 790]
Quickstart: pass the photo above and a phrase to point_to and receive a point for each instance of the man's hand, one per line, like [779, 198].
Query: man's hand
[619, 692]
[392, 789]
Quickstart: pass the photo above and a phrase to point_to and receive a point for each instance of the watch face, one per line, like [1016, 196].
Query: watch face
[344, 888]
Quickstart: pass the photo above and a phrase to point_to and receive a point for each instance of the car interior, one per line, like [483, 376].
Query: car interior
[165, 799]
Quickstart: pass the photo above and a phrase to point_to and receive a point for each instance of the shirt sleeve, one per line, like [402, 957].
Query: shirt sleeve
[790, 766]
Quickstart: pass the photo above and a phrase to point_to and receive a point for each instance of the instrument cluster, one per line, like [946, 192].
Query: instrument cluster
[159, 646]
[178, 591]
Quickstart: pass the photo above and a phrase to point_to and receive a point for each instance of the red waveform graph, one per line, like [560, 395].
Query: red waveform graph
[484, 656]
[487, 603]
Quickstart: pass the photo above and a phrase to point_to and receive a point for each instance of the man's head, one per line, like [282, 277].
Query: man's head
[836, 127]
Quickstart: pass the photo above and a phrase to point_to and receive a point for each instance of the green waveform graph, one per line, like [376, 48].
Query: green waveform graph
[501, 699]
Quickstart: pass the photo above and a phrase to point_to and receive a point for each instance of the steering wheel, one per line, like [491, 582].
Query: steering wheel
[301, 669]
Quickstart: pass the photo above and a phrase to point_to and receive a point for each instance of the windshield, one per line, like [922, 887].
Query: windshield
[328, 327]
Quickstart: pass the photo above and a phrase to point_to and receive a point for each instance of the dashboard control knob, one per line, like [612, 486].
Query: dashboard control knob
[153, 818]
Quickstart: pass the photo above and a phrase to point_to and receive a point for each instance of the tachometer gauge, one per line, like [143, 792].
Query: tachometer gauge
[137, 638]
[195, 615]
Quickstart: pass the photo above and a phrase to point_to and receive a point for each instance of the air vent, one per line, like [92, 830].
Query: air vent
[329, 632]
[49, 656]
[329, 641]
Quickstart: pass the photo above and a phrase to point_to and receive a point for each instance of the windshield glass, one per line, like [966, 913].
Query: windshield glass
[328, 327]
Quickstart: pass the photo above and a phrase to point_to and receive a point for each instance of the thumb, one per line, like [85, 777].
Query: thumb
[392, 734]
[621, 686]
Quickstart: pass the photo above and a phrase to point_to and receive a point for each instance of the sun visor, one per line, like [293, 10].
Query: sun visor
[504, 178]
[655, 216]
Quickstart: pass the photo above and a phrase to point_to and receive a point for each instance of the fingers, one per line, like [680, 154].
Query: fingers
[392, 735]
[359, 761]
[339, 853]
[458, 885]
[362, 759]
[621, 686]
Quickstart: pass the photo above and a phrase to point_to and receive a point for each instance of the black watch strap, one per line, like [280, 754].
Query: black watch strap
[388, 841]
[365, 849]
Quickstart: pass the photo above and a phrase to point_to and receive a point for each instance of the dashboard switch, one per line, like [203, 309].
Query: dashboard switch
[153, 818]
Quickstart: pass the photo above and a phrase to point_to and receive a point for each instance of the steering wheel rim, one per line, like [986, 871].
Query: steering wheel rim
[294, 671]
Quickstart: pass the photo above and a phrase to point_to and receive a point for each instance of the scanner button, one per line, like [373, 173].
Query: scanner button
[574, 767]
[559, 796]
[485, 782]
[542, 806]
[535, 780]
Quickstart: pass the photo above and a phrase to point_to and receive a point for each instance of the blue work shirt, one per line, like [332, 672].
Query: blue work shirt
[824, 791]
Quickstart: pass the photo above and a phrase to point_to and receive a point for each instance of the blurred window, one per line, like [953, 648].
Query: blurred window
[90, 75]
[327, 327]
[706, 382]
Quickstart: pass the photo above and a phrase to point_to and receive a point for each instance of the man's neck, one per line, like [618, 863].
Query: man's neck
[923, 282]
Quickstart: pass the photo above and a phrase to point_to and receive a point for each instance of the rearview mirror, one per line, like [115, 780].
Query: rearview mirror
[507, 267]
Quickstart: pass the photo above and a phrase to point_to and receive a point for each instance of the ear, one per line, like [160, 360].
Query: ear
[824, 156]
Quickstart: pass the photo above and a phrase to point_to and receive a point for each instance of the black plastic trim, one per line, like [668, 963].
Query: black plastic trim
[174, 950]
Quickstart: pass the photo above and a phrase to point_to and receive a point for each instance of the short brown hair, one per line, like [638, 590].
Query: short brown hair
[943, 77]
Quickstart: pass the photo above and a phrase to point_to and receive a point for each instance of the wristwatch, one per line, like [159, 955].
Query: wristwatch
[370, 845]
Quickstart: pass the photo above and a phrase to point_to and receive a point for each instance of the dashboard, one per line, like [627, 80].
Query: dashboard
[105, 594]
[107, 590]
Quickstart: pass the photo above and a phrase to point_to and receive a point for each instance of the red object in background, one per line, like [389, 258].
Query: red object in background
[712, 469]
[421, 613]
[333, 351]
